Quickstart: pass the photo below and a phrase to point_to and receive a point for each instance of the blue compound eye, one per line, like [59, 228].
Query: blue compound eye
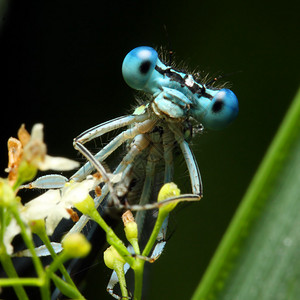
[138, 66]
[222, 110]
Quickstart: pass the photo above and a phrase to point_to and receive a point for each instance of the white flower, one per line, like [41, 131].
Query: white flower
[35, 153]
[53, 205]
[57, 163]
[48, 206]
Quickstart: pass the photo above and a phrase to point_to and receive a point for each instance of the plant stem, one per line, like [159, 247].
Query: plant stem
[139, 263]
[11, 272]
[45, 290]
[162, 214]
[119, 269]
[61, 267]
[20, 282]
[138, 278]
[112, 239]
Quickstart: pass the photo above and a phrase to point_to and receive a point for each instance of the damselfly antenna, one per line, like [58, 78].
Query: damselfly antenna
[221, 76]
[170, 51]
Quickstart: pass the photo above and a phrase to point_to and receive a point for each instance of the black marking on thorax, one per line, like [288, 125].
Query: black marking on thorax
[195, 88]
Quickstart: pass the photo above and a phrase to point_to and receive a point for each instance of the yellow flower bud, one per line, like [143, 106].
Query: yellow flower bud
[111, 257]
[168, 190]
[131, 231]
[130, 226]
[76, 245]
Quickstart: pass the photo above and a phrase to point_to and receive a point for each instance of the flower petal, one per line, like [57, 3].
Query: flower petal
[75, 192]
[57, 163]
[10, 232]
[48, 206]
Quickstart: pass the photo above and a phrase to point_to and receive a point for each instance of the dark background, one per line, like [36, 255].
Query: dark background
[60, 63]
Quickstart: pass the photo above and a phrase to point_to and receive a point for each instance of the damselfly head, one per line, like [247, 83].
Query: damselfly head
[138, 66]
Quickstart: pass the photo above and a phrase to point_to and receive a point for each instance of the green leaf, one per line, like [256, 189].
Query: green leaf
[259, 256]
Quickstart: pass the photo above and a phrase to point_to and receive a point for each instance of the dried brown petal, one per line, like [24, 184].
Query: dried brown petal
[15, 153]
[23, 135]
[127, 217]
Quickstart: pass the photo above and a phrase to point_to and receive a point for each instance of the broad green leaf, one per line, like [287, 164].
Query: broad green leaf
[259, 256]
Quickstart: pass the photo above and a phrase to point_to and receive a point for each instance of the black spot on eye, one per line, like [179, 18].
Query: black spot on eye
[145, 66]
[217, 107]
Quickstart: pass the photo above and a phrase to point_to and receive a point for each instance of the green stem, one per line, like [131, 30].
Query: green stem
[139, 263]
[50, 273]
[45, 290]
[45, 239]
[20, 282]
[6, 259]
[112, 239]
[119, 269]
[135, 245]
[162, 214]
[3, 215]
[59, 260]
[11, 272]
[138, 278]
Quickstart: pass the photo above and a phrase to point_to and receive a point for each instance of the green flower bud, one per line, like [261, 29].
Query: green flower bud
[131, 231]
[130, 226]
[168, 190]
[112, 257]
[76, 245]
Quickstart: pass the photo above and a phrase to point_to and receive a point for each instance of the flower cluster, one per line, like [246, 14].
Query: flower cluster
[27, 154]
